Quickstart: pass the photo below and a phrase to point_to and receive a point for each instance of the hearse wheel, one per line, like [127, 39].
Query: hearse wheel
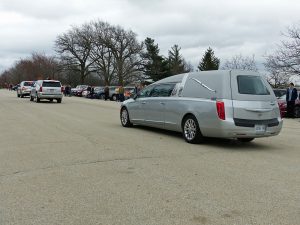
[191, 131]
[124, 116]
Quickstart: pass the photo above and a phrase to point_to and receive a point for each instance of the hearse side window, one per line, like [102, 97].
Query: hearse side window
[51, 84]
[144, 93]
[162, 90]
[251, 85]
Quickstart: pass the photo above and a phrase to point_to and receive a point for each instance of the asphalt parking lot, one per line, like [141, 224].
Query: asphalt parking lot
[73, 163]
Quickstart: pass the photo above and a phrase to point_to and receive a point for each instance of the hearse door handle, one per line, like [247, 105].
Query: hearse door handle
[143, 103]
[162, 103]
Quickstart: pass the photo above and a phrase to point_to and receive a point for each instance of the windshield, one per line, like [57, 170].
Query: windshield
[27, 83]
[252, 85]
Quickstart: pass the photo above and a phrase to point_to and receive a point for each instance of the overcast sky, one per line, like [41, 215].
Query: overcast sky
[229, 27]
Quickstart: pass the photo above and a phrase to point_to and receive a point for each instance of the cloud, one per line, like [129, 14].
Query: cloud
[230, 27]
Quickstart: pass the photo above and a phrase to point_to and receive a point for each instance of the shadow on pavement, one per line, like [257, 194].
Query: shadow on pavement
[228, 144]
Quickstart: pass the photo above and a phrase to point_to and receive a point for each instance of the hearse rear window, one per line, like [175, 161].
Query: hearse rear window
[251, 85]
[51, 84]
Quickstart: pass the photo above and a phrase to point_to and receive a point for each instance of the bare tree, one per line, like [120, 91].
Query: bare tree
[126, 51]
[5, 79]
[240, 62]
[38, 66]
[44, 66]
[286, 58]
[102, 55]
[278, 79]
[74, 48]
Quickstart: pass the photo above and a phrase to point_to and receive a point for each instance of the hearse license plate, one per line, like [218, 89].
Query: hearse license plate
[260, 128]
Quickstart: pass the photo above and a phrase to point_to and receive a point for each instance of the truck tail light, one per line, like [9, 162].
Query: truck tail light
[41, 89]
[220, 110]
[62, 89]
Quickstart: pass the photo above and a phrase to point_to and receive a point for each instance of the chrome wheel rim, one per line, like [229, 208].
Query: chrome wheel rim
[124, 116]
[190, 129]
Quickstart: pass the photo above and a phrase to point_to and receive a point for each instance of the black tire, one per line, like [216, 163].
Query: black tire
[51, 100]
[124, 117]
[31, 98]
[114, 97]
[297, 112]
[245, 140]
[191, 131]
[58, 100]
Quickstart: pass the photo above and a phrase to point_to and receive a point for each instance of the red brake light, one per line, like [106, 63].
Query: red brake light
[41, 89]
[62, 89]
[221, 110]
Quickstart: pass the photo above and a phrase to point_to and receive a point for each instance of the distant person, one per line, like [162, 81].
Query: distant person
[136, 89]
[117, 94]
[92, 92]
[68, 90]
[89, 89]
[291, 96]
[121, 94]
[106, 93]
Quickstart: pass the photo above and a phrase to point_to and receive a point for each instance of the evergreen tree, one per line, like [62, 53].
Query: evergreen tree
[209, 61]
[177, 64]
[155, 65]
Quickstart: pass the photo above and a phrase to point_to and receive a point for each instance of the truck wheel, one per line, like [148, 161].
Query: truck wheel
[58, 100]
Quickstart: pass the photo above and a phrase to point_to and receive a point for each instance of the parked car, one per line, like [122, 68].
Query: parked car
[85, 92]
[78, 90]
[129, 92]
[47, 89]
[24, 88]
[112, 93]
[279, 92]
[223, 104]
[98, 93]
[283, 107]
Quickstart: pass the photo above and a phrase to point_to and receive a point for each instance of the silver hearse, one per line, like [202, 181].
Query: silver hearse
[223, 104]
